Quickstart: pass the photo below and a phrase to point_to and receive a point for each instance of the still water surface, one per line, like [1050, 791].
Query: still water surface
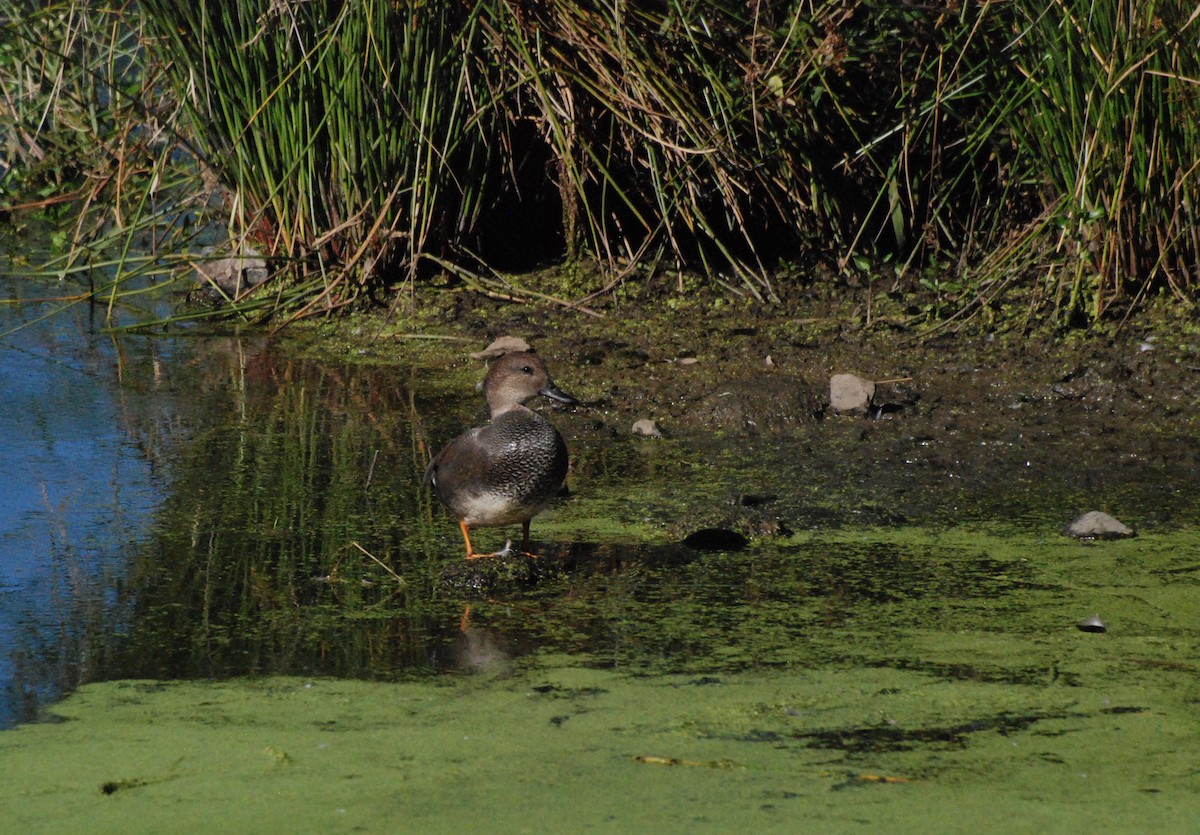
[207, 506]
[196, 506]
[81, 475]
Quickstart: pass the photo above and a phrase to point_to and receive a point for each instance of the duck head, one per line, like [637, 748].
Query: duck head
[515, 379]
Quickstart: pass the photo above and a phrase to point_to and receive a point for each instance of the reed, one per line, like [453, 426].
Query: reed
[341, 131]
[1107, 125]
[971, 150]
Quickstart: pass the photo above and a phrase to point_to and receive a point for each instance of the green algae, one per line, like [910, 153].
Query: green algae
[898, 678]
[548, 745]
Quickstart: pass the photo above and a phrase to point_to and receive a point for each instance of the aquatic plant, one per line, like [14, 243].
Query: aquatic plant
[363, 148]
[1106, 120]
[90, 143]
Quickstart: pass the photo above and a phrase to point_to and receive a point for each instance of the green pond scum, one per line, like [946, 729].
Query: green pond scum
[895, 679]
[1103, 739]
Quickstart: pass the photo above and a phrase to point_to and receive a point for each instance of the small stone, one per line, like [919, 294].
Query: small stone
[1092, 624]
[233, 274]
[501, 346]
[647, 428]
[687, 360]
[1097, 525]
[848, 393]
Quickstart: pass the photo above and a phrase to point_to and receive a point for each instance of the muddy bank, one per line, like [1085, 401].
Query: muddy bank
[962, 419]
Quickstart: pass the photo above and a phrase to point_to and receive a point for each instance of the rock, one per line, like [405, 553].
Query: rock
[1097, 525]
[501, 346]
[233, 274]
[647, 428]
[848, 393]
[1092, 624]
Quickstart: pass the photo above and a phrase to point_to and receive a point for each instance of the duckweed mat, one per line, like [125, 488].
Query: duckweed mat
[552, 746]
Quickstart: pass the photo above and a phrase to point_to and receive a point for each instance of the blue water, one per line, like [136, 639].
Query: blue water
[78, 484]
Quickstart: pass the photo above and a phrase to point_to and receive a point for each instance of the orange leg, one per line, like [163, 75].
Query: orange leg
[525, 550]
[466, 531]
[471, 553]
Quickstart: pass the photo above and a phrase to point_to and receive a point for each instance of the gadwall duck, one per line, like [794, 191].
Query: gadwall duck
[507, 471]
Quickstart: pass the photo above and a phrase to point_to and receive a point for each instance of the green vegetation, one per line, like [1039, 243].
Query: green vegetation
[902, 707]
[366, 149]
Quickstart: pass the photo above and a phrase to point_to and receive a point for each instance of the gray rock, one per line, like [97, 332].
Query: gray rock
[233, 274]
[1097, 525]
[647, 428]
[848, 393]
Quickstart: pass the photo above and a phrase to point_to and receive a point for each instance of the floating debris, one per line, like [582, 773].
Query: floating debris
[858, 780]
[882, 778]
[650, 760]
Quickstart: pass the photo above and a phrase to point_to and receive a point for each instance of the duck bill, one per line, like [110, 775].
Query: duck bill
[555, 393]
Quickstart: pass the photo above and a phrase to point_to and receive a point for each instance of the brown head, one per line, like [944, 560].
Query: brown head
[517, 378]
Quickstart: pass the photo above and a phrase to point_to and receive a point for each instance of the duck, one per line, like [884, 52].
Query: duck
[507, 471]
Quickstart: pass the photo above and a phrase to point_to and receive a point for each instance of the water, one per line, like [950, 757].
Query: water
[80, 483]
[200, 505]
[206, 506]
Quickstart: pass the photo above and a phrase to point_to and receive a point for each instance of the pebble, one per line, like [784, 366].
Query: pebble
[1097, 525]
[849, 393]
[647, 428]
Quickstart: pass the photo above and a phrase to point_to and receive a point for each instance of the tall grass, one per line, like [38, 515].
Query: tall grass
[664, 120]
[88, 140]
[1050, 145]
[341, 130]
[1108, 128]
